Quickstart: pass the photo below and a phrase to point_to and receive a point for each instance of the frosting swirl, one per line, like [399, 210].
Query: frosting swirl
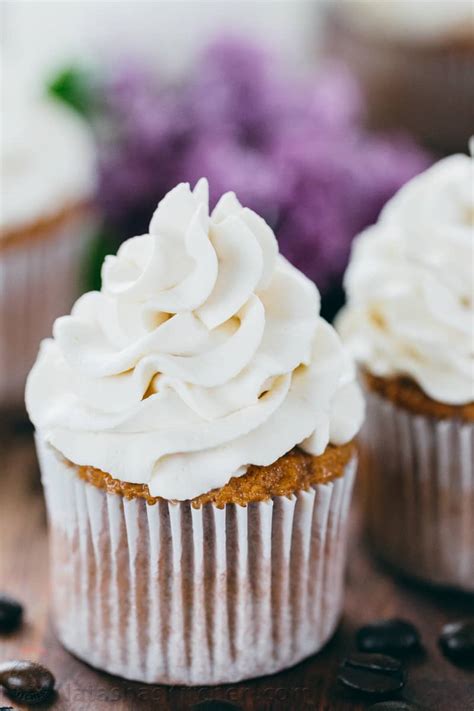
[419, 19]
[410, 285]
[39, 142]
[203, 353]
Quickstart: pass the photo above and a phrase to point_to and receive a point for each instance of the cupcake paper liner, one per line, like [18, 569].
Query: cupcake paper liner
[418, 482]
[39, 281]
[166, 593]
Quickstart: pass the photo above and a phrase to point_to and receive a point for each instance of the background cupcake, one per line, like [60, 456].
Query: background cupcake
[410, 323]
[197, 368]
[45, 219]
[415, 60]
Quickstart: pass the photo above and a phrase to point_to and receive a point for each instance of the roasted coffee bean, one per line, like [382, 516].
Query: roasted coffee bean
[375, 674]
[215, 705]
[457, 641]
[26, 682]
[392, 706]
[11, 612]
[388, 637]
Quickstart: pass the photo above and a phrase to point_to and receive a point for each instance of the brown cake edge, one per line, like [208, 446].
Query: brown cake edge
[404, 392]
[43, 226]
[293, 472]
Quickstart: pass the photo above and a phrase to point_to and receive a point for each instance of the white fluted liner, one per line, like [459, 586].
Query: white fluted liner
[418, 479]
[171, 594]
[39, 281]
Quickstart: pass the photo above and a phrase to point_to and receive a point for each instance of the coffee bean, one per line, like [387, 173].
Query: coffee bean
[26, 682]
[215, 705]
[11, 612]
[375, 674]
[392, 636]
[457, 641]
[393, 706]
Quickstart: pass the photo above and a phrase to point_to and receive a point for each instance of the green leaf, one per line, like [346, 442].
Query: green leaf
[75, 87]
[104, 242]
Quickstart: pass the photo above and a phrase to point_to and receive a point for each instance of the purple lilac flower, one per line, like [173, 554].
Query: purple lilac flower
[294, 150]
[141, 135]
[335, 189]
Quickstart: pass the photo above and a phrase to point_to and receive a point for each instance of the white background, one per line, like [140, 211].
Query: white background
[37, 37]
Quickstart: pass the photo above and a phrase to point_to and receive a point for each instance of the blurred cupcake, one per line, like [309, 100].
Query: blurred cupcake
[194, 426]
[410, 323]
[45, 218]
[415, 60]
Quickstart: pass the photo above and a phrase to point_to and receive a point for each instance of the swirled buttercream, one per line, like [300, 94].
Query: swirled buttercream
[410, 285]
[421, 19]
[203, 353]
[46, 159]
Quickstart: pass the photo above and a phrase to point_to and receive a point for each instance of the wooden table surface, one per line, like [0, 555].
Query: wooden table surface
[371, 593]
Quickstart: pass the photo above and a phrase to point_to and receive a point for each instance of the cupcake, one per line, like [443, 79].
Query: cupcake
[409, 322]
[45, 221]
[194, 424]
[415, 61]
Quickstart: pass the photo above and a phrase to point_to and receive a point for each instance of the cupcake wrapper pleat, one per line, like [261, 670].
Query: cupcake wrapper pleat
[418, 479]
[39, 281]
[172, 594]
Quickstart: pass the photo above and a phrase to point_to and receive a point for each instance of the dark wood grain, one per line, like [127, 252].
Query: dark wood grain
[371, 593]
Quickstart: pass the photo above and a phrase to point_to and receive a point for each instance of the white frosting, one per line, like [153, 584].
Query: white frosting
[410, 285]
[46, 160]
[412, 18]
[203, 353]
